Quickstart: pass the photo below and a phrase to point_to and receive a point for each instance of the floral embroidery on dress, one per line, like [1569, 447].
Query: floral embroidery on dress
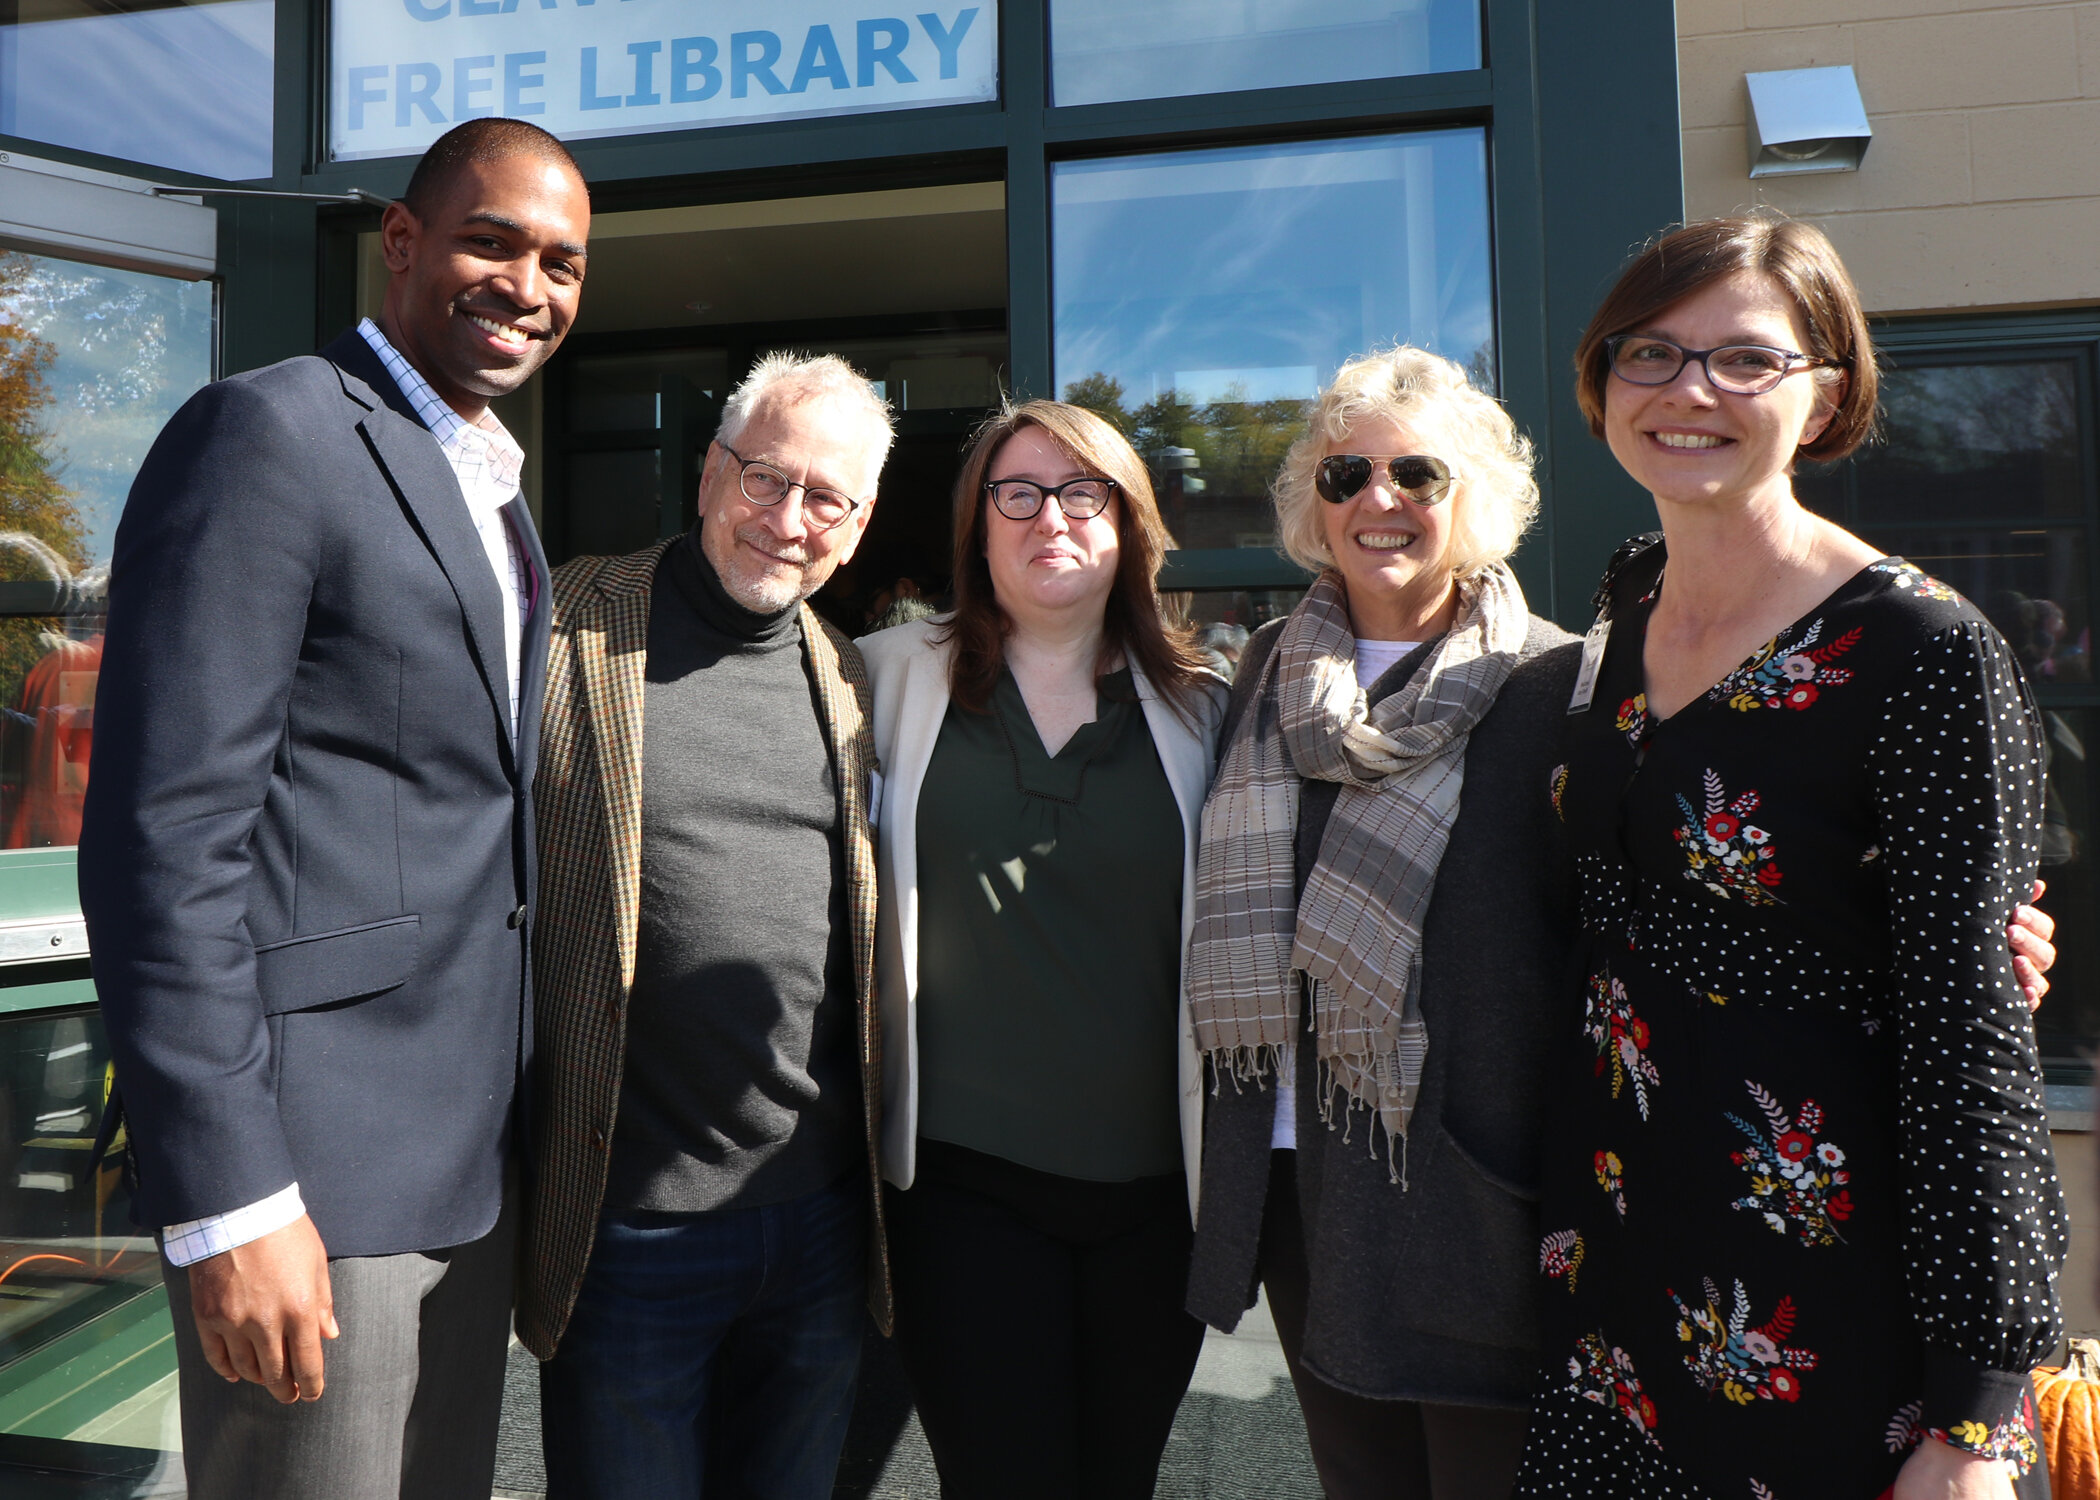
[1621, 1038]
[1915, 580]
[1759, 1492]
[1633, 719]
[1903, 1432]
[1793, 677]
[1796, 1181]
[1605, 1376]
[1560, 1254]
[2011, 1441]
[1728, 854]
[1558, 782]
[1744, 1364]
[1611, 1176]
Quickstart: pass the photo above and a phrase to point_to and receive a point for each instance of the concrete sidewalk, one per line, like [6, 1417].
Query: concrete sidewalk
[1238, 1433]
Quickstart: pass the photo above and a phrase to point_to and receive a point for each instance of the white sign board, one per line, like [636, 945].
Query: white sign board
[402, 72]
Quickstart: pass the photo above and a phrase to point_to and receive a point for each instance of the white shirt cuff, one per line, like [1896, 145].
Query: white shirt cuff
[214, 1234]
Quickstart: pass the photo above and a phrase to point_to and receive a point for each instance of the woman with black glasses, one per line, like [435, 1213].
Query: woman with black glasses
[1046, 749]
[1382, 915]
[1800, 1224]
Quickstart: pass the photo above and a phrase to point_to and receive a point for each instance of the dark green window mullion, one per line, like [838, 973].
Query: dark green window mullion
[1024, 73]
[1524, 375]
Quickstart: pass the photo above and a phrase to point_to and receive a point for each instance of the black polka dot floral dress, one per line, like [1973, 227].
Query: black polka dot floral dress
[1798, 1203]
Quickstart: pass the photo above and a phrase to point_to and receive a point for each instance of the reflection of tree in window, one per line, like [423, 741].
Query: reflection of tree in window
[47, 675]
[1215, 493]
[1975, 440]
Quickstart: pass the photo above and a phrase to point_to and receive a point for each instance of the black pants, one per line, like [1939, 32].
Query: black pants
[1040, 1322]
[1367, 1449]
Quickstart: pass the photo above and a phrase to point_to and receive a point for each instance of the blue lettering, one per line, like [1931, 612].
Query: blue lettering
[415, 87]
[888, 54]
[820, 59]
[694, 57]
[644, 55]
[480, 7]
[946, 41]
[362, 93]
[465, 85]
[752, 55]
[424, 12]
[516, 81]
[511, 5]
[591, 98]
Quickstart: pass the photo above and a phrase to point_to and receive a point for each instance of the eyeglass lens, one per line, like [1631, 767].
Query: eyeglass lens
[1079, 499]
[1422, 479]
[1745, 369]
[765, 485]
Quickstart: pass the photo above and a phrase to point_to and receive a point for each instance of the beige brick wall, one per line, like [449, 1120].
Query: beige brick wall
[1982, 186]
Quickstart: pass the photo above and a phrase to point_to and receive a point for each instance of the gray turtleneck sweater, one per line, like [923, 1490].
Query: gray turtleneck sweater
[741, 1085]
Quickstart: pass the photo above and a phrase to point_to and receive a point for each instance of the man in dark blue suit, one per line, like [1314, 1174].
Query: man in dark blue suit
[307, 858]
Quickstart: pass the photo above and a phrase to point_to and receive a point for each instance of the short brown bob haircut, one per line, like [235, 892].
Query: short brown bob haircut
[1795, 255]
[1138, 626]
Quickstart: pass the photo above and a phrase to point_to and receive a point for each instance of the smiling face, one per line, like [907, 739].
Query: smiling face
[485, 285]
[769, 556]
[1048, 565]
[1393, 553]
[1688, 443]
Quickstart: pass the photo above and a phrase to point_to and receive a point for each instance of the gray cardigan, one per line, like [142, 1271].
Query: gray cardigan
[1427, 1294]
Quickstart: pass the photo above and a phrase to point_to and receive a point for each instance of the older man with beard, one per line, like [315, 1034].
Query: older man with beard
[698, 1237]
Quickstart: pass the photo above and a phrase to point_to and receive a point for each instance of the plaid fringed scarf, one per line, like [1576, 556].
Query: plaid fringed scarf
[1356, 936]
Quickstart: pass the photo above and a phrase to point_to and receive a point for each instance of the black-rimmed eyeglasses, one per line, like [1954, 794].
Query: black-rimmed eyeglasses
[763, 484]
[1021, 499]
[1739, 369]
[1422, 479]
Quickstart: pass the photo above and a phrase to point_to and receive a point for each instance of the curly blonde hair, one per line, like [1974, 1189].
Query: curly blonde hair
[1495, 498]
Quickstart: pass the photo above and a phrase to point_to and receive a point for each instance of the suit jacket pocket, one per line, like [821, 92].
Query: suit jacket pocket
[349, 963]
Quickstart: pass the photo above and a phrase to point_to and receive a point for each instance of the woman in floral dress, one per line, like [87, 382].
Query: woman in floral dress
[1801, 1227]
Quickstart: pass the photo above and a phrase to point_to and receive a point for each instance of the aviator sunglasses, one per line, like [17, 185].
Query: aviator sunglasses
[1422, 479]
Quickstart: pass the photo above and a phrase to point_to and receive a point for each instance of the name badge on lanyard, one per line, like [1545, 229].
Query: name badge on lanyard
[1592, 664]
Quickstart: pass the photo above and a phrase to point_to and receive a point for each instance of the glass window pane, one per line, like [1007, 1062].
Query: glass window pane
[1963, 441]
[2070, 1018]
[1224, 618]
[613, 504]
[92, 363]
[68, 1252]
[618, 392]
[164, 82]
[1109, 49]
[2030, 582]
[929, 371]
[1202, 297]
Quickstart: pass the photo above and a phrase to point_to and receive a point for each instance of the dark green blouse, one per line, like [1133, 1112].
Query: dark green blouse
[1049, 941]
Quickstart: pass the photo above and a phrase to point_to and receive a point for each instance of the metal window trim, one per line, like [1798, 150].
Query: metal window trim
[85, 214]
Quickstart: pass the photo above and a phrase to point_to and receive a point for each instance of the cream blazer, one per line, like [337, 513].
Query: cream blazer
[910, 678]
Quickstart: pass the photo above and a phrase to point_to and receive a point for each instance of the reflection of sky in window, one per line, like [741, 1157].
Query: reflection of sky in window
[1110, 49]
[183, 86]
[129, 349]
[1268, 266]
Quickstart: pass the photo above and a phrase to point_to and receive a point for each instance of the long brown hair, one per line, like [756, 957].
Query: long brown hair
[1796, 255]
[1137, 625]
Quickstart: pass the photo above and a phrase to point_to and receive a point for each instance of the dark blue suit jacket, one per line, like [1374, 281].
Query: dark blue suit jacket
[308, 827]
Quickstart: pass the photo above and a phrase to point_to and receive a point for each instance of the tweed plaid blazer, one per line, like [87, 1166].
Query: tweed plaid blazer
[589, 815]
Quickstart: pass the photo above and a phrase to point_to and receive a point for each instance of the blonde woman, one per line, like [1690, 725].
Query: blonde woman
[1383, 911]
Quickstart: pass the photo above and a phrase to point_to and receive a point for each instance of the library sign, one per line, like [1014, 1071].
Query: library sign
[402, 72]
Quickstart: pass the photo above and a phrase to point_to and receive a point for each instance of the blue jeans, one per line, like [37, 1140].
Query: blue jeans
[711, 1354]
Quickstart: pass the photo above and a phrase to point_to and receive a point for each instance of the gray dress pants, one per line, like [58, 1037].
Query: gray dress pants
[415, 1386]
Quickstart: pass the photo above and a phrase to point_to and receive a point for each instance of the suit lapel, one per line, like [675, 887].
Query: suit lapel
[842, 694]
[421, 477]
[612, 659]
[532, 647]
